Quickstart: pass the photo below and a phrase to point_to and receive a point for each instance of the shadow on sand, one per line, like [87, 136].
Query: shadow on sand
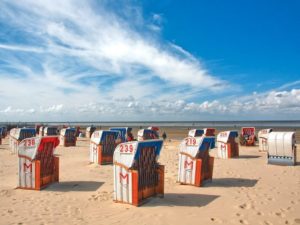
[231, 182]
[181, 199]
[74, 186]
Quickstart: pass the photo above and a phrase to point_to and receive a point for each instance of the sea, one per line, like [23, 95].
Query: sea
[189, 124]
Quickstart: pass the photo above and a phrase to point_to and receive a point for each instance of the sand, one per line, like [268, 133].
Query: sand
[245, 190]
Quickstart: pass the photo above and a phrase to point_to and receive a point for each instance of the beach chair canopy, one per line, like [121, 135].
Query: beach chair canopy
[68, 131]
[153, 128]
[127, 153]
[122, 132]
[209, 131]
[264, 133]
[100, 135]
[30, 147]
[248, 131]
[41, 129]
[3, 130]
[90, 128]
[19, 133]
[196, 132]
[225, 135]
[147, 134]
[193, 145]
[50, 130]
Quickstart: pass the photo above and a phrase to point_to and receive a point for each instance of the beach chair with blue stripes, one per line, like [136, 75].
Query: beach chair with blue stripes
[195, 163]
[137, 173]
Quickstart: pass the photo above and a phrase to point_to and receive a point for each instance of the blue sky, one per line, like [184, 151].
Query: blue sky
[149, 60]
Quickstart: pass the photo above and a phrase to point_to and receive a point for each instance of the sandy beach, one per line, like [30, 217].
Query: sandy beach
[245, 190]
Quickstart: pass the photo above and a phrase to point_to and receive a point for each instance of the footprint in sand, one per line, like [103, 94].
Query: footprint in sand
[279, 214]
[246, 206]
[216, 220]
[297, 220]
[243, 222]
[267, 223]
[260, 213]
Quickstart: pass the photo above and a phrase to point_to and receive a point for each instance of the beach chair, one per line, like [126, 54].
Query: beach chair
[125, 133]
[67, 137]
[38, 167]
[247, 136]
[208, 132]
[41, 131]
[137, 174]
[196, 133]
[50, 131]
[37, 128]
[195, 163]
[227, 144]
[89, 131]
[102, 146]
[1, 130]
[3, 134]
[263, 139]
[147, 134]
[16, 135]
[282, 148]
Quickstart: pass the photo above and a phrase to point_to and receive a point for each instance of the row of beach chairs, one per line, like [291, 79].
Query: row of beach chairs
[137, 173]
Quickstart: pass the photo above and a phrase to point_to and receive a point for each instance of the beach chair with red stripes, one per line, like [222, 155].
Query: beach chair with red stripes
[195, 163]
[137, 173]
[38, 166]
[102, 146]
[247, 136]
[263, 139]
[16, 135]
[227, 144]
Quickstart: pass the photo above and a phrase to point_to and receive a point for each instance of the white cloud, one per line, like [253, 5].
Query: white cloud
[105, 41]
[273, 104]
[21, 48]
[53, 108]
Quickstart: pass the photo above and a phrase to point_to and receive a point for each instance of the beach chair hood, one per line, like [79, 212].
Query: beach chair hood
[99, 135]
[64, 131]
[225, 135]
[29, 147]
[264, 133]
[248, 131]
[192, 145]
[282, 148]
[196, 132]
[127, 153]
[122, 132]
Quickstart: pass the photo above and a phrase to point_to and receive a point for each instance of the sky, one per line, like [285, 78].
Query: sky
[167, 60]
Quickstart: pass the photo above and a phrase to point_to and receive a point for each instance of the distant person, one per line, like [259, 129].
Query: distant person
[164, 136]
